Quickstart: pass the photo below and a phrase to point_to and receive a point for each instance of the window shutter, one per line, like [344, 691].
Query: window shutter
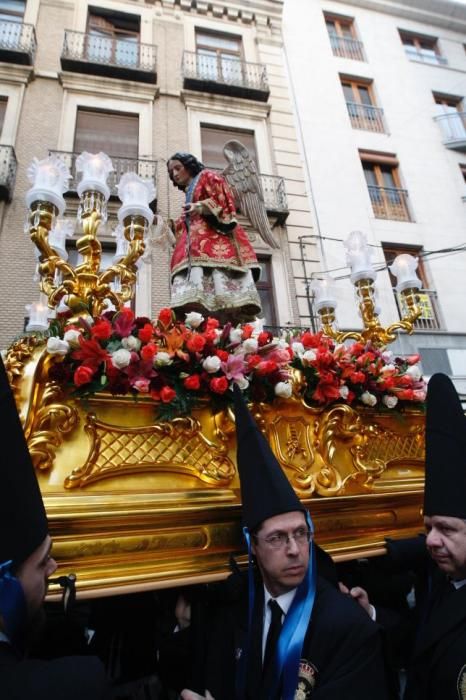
[115, 134]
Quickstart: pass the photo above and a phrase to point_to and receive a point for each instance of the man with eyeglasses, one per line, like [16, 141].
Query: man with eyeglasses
[286, 633]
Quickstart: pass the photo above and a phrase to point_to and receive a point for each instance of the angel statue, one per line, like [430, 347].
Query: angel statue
[213, 266]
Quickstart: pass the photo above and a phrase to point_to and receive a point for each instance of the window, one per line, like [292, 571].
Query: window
[218, 57]
[429, 319]
[113, 37]
[343, 38]
[12, 10]
[114, 133]
[213, 140]
[3, 104]
[389, 200]
[451, 116]
[265, 289]
[360, 101]
[422, 48]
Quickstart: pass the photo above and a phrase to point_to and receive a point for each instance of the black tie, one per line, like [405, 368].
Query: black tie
[272, 636]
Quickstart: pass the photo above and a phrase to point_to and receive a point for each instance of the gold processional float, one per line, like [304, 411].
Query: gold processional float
[136, 503]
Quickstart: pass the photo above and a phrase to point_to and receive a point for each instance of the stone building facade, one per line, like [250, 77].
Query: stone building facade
[140, 79]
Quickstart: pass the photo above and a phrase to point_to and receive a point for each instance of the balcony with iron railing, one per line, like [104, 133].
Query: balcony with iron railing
[225, 76]
[366, 117]
[8, 166]
[273, 188]
[146, 168]
[389, 203]
[17, 42]
[453, 127]
[113, 58]
[425, 56]
[346, 47]
[429, 319]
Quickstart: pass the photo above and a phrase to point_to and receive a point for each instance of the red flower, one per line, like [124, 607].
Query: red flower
[90, 354]
[222, 354]
[247, 331]
[253, 360]
[167, 394]
[219, 385]
[356, 349]
[311, 340]
[83, 375]
[148, 351]
[405, 394]
[209, 335]
[102, 329]
[266, 367]
[145, 333]
[412, 359]
[264, 338]
[357, 378]
[196, 343]
[212, 323]
[165, 317]
[192, 382]
[123, 322]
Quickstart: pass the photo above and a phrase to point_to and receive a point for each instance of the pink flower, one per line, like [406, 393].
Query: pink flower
[141, 384]
[234, 367]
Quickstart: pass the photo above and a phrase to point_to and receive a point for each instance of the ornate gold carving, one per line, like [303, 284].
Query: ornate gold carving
[292, 440]
[178, 446]
[19, 353]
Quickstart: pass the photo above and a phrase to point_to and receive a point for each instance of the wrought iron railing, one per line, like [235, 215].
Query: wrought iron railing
[121, 53]
[426, 56]
[273, 188]
[366, 117]
[429, 320]
[225, 71]
[143, 167]
[346, 47]
[18, 38]
[8, 166]
[453, 126]
[389, 203]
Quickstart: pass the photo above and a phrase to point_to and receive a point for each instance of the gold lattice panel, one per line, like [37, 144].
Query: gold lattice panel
[388, 446]
[179, 446]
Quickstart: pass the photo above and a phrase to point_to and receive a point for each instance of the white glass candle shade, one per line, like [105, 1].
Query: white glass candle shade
[404, 269]
[38, 313]
[323, 293]
[49, 178]
[135, 193]
[95, 169]
[358, 257]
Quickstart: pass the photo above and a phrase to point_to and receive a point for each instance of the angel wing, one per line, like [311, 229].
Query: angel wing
[241, 174]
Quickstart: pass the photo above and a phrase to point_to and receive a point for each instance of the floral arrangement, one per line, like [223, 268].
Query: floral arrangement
[355, 373]
[174, 363]
[178, 363]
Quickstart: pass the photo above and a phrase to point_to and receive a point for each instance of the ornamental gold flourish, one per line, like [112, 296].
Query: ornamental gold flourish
[176, 447]
[19, 353]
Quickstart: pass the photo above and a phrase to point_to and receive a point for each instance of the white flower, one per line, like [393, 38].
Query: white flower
[131, 343]
[283, 389]
[368, 398]
[194, 319]
[56, 346]
[212, 364]
[258, 326]
[282, 344]
[298, 348]
[414, 372]
[387, 356]
[72, 337]
[121, 358]
[390, 401]
[344, 391]
[250, 345]
[161, 359]
[235, 335]
[309, 356]
[388, 369]
[243, 383]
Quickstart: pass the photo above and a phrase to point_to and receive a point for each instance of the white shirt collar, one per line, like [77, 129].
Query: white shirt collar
[459, 584]
[283, 600]
[4, 638]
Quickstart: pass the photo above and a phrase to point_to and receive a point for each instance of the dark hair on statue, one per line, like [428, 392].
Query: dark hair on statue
[190, 162]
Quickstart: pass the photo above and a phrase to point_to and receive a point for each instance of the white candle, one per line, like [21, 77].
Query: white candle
[62, 230]
[95, 169]
[358, 257]
[135, 194]
[404, 269]
[49, 178]
[38, 315]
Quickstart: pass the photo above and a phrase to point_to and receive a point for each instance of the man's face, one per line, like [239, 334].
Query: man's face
[179, 173]
[283, 567]
[446, 542]
[33, 574]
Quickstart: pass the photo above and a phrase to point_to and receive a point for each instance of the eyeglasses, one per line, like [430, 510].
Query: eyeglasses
[278, 540]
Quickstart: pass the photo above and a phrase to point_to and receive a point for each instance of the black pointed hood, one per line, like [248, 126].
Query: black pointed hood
[23, 522]
[265, 490]
[445, 486]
